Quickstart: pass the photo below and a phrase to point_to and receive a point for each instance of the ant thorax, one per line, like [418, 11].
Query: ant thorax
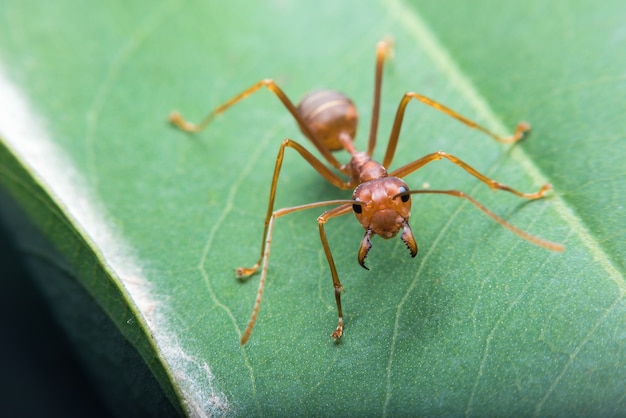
[364, 169]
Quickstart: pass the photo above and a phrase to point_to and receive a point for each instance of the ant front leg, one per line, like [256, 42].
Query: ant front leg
[265, 255]
[521, 128]
[321, 220]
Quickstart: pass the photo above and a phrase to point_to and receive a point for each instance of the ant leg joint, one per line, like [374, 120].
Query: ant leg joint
[338, 290]
[438, 155]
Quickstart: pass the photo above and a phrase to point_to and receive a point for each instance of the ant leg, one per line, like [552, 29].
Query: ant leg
[531, 238]
[384, 49]
[265, 254]
[176, 119]
[317, 165]
[521, 128]
[321, 220]
[417, 164]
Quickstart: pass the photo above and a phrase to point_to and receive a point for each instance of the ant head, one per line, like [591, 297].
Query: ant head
[383, 210]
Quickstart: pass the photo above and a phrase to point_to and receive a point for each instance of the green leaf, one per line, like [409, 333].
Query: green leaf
[153, 221]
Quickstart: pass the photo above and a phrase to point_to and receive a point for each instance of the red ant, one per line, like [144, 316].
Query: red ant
[381, 201]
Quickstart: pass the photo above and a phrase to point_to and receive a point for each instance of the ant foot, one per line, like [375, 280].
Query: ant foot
[177, 120]
[338, 332]
[518, 135]
[243, 272]
[546, 187]
[520, 130]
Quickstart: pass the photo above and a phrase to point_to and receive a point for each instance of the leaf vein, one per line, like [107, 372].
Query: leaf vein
[497, 325]
[574, 353]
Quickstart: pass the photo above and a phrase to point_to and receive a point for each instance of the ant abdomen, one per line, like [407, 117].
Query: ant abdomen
[327, 113]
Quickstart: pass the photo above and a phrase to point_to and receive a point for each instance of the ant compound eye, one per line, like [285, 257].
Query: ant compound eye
[405, 198]
[356, 207]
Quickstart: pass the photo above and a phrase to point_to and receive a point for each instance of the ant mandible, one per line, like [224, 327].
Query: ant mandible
[381, 201]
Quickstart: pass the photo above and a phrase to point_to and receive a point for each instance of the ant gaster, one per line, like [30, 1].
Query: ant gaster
[381, 201]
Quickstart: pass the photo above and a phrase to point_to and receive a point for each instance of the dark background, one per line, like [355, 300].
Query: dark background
[40, 373]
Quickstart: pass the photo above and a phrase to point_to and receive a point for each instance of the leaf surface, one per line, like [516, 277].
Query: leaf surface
[478, 323]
